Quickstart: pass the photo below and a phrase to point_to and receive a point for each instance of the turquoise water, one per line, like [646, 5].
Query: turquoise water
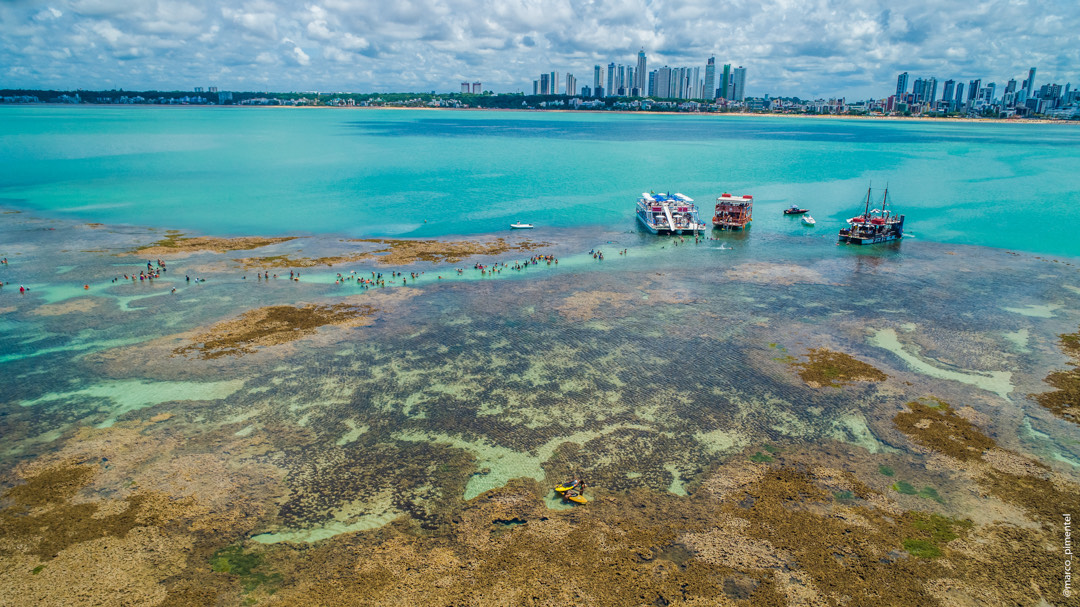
[386, 172]
[644, 371]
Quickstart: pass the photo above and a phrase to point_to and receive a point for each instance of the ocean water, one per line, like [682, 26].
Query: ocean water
[642, 372]
[422, 173]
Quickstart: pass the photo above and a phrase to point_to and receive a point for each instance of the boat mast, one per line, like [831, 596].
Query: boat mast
[866, 213]
[885, 202]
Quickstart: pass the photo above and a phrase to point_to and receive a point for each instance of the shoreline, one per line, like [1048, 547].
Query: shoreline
[937, 119]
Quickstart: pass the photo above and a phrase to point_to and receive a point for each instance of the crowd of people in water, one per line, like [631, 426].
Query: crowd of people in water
[155, 269]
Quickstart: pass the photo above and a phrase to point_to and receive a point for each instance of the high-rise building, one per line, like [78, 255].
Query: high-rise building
[738, 87]
[476, 88]
[918, 92]
[545, 84]
[709, 86]
[651, 90]
[536, 87]
[1030, 81]
[641, 73]
[950, 89]
[901, 85]
[973, 89]
[464, 87]
[554, 83]
[611, 80]
[597, 79]
[571, 84]
[725, 82]
[663, 82]
[959, 94]
[695, 84]
[620, 79]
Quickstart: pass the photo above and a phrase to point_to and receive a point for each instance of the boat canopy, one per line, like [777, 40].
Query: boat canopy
[647, 197]
[683, 197]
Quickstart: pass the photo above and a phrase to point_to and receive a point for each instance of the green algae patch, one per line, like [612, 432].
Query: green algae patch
[1064, 401]
[175, 242]
[404, 252]
[922, 549]
[273, 325]
[904, 488]
[761, 458]
[941, 429]
[834, 369]
[886, 470]
[245, 566]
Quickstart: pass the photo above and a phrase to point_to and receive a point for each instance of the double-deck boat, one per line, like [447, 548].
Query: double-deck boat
[874, 225]
[733, 212]
[668, 213]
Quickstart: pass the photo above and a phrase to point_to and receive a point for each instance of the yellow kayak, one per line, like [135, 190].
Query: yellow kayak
[567, 486]
[574, 496]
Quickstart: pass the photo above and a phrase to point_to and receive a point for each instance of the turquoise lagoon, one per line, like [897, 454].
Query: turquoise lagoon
[386, 172]
[642, 371]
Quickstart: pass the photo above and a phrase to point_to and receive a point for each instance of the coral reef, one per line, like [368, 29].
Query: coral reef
[273, 325]
[833, 369]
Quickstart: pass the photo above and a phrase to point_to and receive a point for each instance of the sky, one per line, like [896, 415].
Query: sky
[805, 48]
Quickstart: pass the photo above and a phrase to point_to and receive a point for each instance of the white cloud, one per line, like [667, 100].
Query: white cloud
[803, 47]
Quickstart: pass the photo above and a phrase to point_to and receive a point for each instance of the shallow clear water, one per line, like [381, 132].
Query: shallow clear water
[642, 370]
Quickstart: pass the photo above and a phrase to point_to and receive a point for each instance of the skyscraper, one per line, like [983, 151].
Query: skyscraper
[597, 81]
[611, 80]
[950, 89]
[973, 89]
[641, 74]
[738, 89]
[959, 94]
[725, 82]
[545, 84]
[554, 83]
[1030, 81]
[901, 85]
[571, 84]
[709, 87]
[663, 82]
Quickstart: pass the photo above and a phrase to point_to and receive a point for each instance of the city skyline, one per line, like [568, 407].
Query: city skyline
[852, 49]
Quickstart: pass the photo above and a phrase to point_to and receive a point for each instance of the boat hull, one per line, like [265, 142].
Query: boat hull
[861, 240]
[655, 230]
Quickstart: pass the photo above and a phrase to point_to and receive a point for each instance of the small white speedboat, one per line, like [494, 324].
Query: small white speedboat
[808, 220]
[521, 226]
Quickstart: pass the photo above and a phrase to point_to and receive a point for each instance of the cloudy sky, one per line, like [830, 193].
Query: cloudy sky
[851, 48]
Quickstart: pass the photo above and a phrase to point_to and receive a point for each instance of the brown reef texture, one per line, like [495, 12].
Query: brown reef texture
[404, 252]
[1064, 401]
[175, 242]
[833, 369]
[273, 325]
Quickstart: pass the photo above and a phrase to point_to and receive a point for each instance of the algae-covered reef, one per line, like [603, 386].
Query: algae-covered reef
[273, 325]
[404, 252]
[833, 369]
[1064, 401]
[175, 242]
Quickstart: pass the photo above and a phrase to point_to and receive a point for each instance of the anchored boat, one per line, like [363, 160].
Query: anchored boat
[874, 225]
[668, 213]
[733, 212]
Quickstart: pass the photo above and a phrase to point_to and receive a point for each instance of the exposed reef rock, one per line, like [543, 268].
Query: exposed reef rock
[273, 325]
[404, 252]
[1064, 402]
[175, 242]
[833, 369]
